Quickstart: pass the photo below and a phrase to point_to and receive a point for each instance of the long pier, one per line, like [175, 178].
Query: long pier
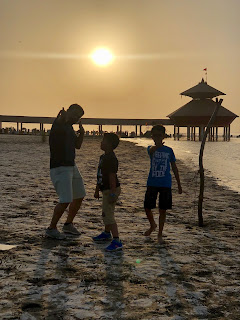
[20, 120]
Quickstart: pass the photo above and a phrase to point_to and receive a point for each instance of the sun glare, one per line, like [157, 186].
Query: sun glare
[102, 57]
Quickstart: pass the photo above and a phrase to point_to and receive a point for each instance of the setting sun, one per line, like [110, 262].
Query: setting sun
[102, 56]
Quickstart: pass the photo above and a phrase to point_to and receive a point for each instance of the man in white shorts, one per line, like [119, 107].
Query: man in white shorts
[64, 173]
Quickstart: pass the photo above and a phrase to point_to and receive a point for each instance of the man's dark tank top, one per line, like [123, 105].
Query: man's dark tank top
[62, 145]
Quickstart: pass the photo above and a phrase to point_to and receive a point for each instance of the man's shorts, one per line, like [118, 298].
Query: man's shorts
[68, 183]
[165, 198]
[108, 208]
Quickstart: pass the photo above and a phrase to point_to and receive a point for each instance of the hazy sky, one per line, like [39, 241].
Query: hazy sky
[161, 49]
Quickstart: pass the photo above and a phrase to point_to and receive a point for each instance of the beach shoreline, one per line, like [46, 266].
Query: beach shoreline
[193, 276]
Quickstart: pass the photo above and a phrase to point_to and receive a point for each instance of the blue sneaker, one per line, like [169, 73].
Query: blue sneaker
[103, 237]
[114, 246]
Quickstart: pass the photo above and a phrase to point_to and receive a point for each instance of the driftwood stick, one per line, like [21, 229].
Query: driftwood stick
[201, 169]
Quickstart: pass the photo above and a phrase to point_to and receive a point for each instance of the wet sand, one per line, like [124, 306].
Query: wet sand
[194, 275]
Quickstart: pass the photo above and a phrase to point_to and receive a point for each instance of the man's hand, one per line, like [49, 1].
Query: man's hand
[96, 193]
[79, 136]
[61, 117]
[81, 129]
[112, 198]
[179, 189]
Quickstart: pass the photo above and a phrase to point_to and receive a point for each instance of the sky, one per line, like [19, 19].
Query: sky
[160, 47]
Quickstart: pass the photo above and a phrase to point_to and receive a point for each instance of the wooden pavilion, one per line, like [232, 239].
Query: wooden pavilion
[196, 114]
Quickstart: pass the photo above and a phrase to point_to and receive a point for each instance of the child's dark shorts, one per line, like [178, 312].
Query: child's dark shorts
[165, 198]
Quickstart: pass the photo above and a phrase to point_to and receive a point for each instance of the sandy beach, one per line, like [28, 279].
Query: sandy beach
[194, 275]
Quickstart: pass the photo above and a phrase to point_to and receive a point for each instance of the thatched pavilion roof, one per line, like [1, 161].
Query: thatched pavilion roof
[202, 90]
[198, 112]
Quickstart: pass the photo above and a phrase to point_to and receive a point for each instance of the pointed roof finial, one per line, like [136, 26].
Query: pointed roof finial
[202, 91]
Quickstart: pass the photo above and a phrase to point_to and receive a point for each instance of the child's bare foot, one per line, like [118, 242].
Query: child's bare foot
[160, 240]
[150, 230]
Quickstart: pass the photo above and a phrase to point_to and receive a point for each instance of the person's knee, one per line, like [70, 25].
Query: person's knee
[108, 219]
[77, 202]
[162, 213]
[148, 211]
[64, 204]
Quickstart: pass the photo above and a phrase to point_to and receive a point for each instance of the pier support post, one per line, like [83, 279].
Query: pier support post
[188, 133]
[100, 130]
[201, 133]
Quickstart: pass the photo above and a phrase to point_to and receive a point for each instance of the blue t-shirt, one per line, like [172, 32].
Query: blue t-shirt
[159, 174]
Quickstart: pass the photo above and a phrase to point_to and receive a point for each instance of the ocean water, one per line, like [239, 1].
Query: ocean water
[220, 159]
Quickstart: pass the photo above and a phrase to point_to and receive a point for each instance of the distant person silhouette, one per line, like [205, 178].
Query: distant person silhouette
[64, 173]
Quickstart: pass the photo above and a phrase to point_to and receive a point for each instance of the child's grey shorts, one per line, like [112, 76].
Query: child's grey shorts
[68, 183]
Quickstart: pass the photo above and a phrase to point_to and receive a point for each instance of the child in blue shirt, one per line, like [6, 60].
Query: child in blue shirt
[160, 180]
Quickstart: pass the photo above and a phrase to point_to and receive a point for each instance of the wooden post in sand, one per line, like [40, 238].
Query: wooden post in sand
[201, 169]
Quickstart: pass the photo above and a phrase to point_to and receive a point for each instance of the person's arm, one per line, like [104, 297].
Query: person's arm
[176, 174]
[152, 149]
[79, 137]
[61, 117]
[113, 185]
[112, 182]
[96, 194]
